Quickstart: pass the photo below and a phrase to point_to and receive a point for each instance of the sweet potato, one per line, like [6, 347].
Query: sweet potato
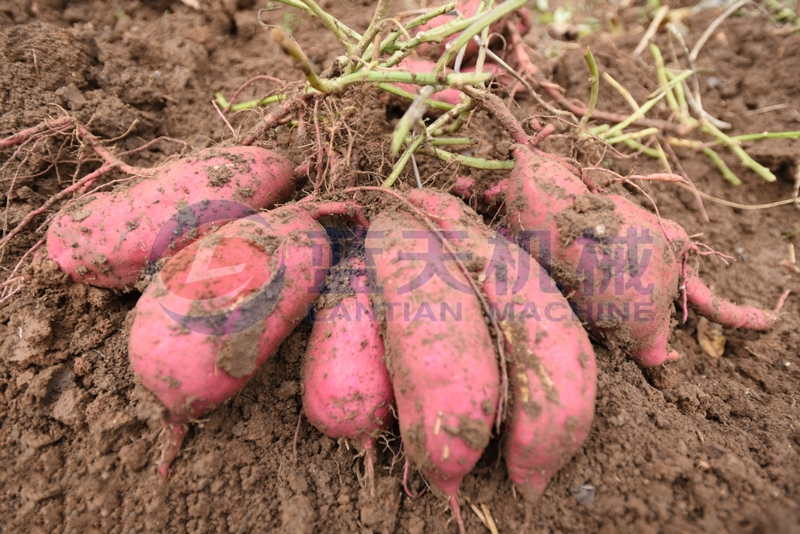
[107, 239]
[220, 307]
[347, 392]
[620, 264]
[551, 364]
[438, 349]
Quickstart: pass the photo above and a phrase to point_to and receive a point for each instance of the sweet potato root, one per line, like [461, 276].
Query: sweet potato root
[725, 312]
[620, 264]
[439, 352]
[220, 308]
[347, 392]
[551, 365]
[107, 239]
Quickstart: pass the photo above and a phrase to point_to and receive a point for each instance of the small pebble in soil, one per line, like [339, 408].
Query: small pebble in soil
[584, 494]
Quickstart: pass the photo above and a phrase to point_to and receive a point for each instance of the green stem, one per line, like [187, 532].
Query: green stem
[332, 23]
[632, 135]
[647, 151]
[766, 135]
[686, 143]
[647, 106]
[406, 156]
[249, 104]
[386, 44]
[452, 141]
[726, 172]
[621, 90]
[222, 102]
[484, 39]
[372, 30]
[434, 35]
[594, 80]
[338, 85]
[352, 34]
[468, 161]
[412, 116]
[451, 128]
[291, 48]
[745, 158]
[435, 104]
[485, 20]
[403, 161]
[680, 97]
[661, 74]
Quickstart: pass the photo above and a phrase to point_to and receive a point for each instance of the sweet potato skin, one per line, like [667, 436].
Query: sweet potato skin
[106, 239]
[443, 366]
[347, 391]
[200, 332]
[553, 378]
[552, 371]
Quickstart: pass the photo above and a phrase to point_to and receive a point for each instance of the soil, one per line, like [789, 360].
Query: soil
[700, 445]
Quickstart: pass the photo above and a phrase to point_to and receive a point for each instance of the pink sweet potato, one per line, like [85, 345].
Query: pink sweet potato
[551, 365]
[108, 239]
[220, 307]
[438, 349]
[347, 392]
[619, 263]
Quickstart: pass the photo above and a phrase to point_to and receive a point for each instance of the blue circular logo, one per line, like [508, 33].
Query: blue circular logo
[223, 295]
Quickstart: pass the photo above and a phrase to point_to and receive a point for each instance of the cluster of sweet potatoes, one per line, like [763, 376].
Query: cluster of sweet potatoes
[436, 320]
[226, 287]
[431, 320]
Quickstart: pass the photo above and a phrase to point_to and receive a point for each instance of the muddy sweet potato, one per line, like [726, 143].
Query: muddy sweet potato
[347, 392]
[438, 349]
[620, 264]
[219, 308]
[108, 239]
[552, 372]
